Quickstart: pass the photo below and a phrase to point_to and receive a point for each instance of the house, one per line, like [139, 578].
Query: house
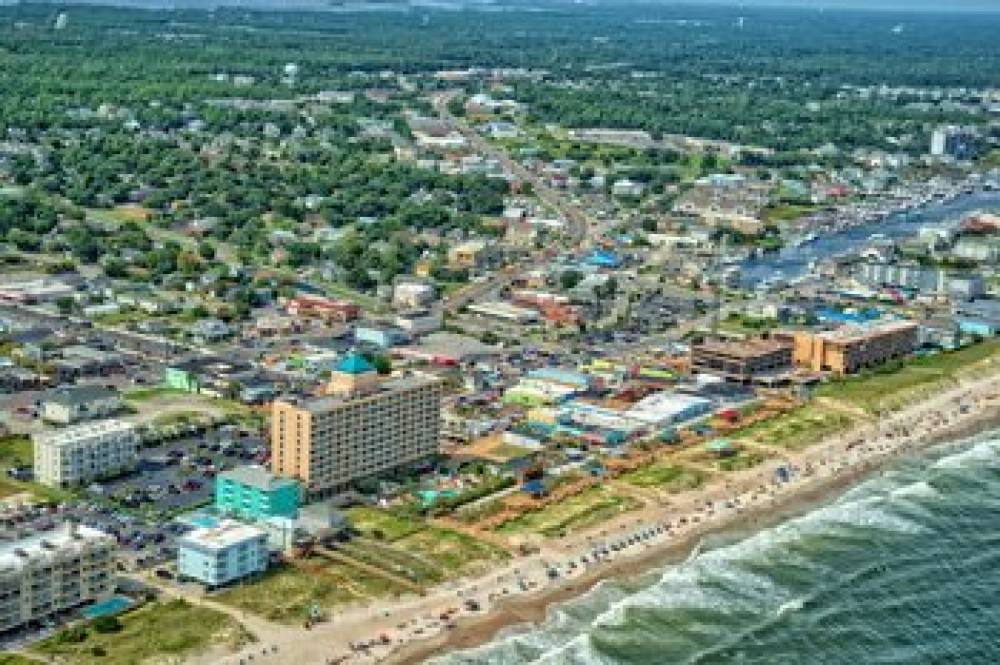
[72, 404]
[627, 188]
[207, 331]
[419, 322]
[382, 336]
[412, 295]
[473, 254]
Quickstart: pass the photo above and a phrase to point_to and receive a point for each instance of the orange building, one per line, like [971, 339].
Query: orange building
[363, 426]
[851, 349]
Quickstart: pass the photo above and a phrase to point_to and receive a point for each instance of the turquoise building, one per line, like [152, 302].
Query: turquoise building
[254, 493]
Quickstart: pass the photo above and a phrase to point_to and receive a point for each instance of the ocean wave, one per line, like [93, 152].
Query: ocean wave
[764, 581]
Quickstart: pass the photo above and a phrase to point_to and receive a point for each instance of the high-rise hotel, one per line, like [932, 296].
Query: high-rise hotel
[364, 425]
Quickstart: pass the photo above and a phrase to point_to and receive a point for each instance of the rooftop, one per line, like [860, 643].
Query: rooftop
[71, 395]
[256, 476]
[744, 349]
[327, 402]
[223, 536]
[857, 333]
[72, 435]
[15, 553]
[354, 363]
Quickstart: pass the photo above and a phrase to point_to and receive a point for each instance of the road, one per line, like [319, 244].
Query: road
[582, 228]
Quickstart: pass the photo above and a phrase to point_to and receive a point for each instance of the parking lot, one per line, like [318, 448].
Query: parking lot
[178, 474]
[173, 477]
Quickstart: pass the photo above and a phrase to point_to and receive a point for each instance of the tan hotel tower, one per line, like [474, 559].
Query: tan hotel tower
[364, 425]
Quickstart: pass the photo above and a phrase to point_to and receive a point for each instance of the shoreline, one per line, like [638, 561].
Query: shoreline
[511, 614]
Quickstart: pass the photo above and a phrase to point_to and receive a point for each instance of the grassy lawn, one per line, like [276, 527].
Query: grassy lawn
[16, 450]
[454, 552]
[286, 593]
[896, 383]
[147, 394]
[796, 429]
[449, 551]
[669, 477]
[156, 631]
[17, 659]
[744, 459]
[785, 212]
[588, 508]
[508, 451]
[122, 213]
[374, 523]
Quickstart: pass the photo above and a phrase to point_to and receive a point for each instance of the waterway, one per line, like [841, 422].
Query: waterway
[792, 262]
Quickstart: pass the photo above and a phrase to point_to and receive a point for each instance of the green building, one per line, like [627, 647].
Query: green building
[254, 493]
[182, 378]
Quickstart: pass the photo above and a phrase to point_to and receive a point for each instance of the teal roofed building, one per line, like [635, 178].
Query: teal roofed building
[252, 492]
[354, 363]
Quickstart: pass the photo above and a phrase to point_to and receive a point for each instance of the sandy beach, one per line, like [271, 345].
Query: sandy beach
[413, 629]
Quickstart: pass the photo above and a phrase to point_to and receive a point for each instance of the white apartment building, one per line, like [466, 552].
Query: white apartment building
[87, 452]
[51, 572]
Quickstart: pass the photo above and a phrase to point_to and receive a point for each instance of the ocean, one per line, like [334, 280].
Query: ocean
[902, 568]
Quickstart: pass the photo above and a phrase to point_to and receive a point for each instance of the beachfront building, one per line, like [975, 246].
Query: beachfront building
[222, 553]
[743, 361]
[54, 571]
[365, 425]
[852, 348]
[254, 493]
[84, 453]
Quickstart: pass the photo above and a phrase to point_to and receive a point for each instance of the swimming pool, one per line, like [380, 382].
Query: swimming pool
[199, 520]
[428, 497]
[109, 607]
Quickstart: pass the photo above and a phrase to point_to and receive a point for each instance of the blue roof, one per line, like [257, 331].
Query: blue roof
[602, 258]
[354, 363]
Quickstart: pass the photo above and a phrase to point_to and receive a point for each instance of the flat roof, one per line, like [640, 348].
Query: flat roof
[853, 333]
[70, 395]
[85, 430]
[256, 476]
[744, 349]
[326, 402]
[455, 346]
[223, 536]
[16, 553]
[662, 406]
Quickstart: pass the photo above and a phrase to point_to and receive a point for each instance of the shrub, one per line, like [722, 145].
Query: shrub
[106, 624]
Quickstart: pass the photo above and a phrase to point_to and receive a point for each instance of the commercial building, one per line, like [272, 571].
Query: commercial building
[363, 426]
[382, 336]
[742, 361]
[51, 572]
[505, 311]
[72, 404]
[413, 295]
[326, 309]
[669, 408]
[84, 453]
[852, 348]
[419, 322]
[252, 492]
[222, 554]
